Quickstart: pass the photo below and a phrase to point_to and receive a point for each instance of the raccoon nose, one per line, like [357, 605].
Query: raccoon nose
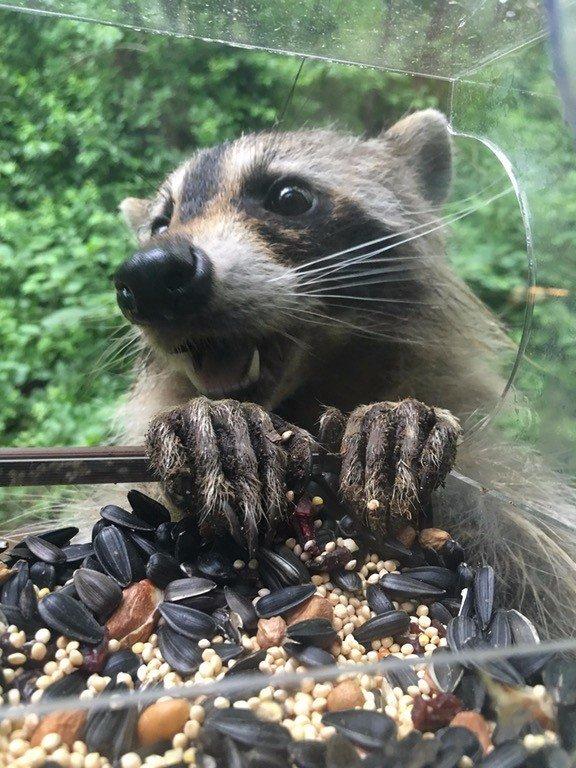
[163, 283]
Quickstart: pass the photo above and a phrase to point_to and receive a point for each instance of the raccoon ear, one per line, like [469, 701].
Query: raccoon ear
[422, 140]
[135, 212]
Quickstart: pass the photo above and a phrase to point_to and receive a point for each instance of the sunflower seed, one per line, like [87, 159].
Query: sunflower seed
[98, 591]
[124, 519]
[118, 556]
[453, 554]
[12, 615]
[164, 535]
[340, 753]
[183, 655]
[566, 719]
[60, 536]
[68, 686]
[455, 743]
[484, 594]
[500, 669]
[283, 600]
[182, 589]
[439, 612]
[392, 549]
[384, 625]
[112, 731]
[280, 567]
[399, 586]
[377, 599]
[318, 632]
[43, 574]
[471, 691]
[309, 655]
[28, 604]
[162, 569]
[401, 678]
[260, 758]
[500, 633]
[243, 727]
[467, 603]
[145, 546]
[307, 754]
[121, 661]
[228, 651]
[75, 553]
[70, 618]
[446, 677]
[465, 575]
[188, 621]
[217, 566]
[248, 663]
[242, 606]
[349, 581]
[45, 550]
[97, 527]
[366, 729]
[148, 509]
[460, 631]
[13, 587]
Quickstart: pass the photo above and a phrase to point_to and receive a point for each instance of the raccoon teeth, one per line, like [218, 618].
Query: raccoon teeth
[254, 371]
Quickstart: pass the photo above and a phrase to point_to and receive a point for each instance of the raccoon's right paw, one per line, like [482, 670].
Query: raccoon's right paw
[228, 463]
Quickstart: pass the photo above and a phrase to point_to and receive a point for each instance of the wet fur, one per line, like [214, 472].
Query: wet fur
[443, 349]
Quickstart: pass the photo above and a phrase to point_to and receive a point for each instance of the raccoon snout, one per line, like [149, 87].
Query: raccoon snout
[163, 283]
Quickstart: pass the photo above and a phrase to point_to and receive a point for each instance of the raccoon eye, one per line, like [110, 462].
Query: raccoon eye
[160, 224]
[288, 199]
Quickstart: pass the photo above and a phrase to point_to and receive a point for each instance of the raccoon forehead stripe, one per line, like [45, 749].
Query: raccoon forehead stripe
[201, 182]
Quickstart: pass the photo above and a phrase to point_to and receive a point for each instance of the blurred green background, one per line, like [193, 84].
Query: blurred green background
[91, 114]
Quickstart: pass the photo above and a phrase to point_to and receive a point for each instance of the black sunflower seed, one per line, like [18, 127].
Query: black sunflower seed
[392, 549]
[434, 575]
[471, 691]
[559, 677]
[75, 553]
[43, 575]
[146, 546]
[455, 743]
[460, 631]
[121, 661]
[318, 632]
[566, 719]
[378, 600]
[453, 554]
[384, 625]
[165, 538]
[307, 754]
[242, 606]
[68, 686]
[243, 727]
[60, 536]
[247, 664]
[217, 566]
[124, 519]
[465, 576]
[11, 614]
[403, 587]
[366, 729]
[188, 621]
[70, 618]
[181, 653]
[261, 758]
[12, 588]
[280, 567]
[309, 655]
[45, 550]
[118, 556]
[401, 678]
[98, 591]
[148, 509]
[28, 604]
[207, 603]
[499, 632]
[161, 569]
[349, 581]
[467, 603]
[112, 731]
[228, 651]
[432, 557]
[439, 612]
[283, 600]
[484, 594]
[445, 676]
[500, 670]
[182, 589]
[340, 753]
[98, 526]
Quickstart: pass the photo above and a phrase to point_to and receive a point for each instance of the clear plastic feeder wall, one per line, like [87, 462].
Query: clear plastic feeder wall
[103, 101]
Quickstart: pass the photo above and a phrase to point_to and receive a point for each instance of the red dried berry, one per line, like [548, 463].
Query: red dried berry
[435, 713]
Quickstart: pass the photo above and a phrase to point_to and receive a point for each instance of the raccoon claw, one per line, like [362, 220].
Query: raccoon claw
[227, 463]
[393, 457]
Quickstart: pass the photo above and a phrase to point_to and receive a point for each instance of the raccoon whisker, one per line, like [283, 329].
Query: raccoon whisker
[438, 224]
[364, 256]
[455, 202]
[415, 264]
[381, 299]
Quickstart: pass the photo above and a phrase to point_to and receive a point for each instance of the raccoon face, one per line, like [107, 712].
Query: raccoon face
[257, 255]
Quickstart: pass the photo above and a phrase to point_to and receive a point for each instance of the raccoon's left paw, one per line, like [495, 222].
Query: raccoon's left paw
[227, 463]
[393, 456]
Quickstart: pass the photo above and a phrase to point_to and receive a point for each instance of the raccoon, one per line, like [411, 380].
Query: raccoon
[292, 293]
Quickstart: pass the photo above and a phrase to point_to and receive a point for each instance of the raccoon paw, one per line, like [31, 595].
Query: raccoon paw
[228, 463]
[393, 456]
